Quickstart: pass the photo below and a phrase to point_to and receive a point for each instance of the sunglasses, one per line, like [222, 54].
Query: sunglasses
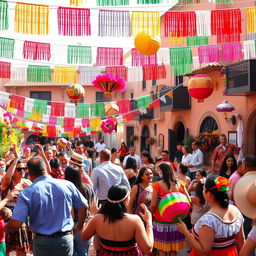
[21, 169]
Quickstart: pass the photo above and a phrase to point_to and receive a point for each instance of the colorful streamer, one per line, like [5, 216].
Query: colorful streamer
[83, 110]
[152, 72]
[65, 75]
[39, 73]
[4, 17]
[97, 109]
[76, 2]
[209, 54]
[36, 51]
[5, 69]
[149, 1]
[118, 72]
[144, 102]
[112, 2]
[79, 54]
[232, 52]
[251, 20]
[109, 56]
[6, 47]
[197, 40]
[139, 59]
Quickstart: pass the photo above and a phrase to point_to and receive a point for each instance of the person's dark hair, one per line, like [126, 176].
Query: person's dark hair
[166, 152]
[113, 150]
[221, 197]
[168, 175]
[55, 163]
[223, 135]
[115, 211]
[183, 168]
[199, 192]
[36, 166]
[72, 174]
[148, 156]
[62, 153]
[203, 173]
[195, 142]
[131, 163]
[18, 162]
[123, 143]
[250, 161]
[224, 166]
[140, 174]
[239, 163]
[90, 152]
[179, 143]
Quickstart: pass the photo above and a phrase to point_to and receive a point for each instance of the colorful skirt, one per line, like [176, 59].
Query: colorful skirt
[167, 237]
[230, 251]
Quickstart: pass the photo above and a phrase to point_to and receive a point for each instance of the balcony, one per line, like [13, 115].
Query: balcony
[241, 78]
[179, 101]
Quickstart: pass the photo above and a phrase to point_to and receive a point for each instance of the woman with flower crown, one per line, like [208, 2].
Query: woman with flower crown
[119, 233]
[217, 231]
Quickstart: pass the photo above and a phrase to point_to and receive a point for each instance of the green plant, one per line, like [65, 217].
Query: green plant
[150, 140]
[188, 141]
[134, 138]
[208, 141]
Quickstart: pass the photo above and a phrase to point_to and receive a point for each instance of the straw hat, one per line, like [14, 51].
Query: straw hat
[245, 195]
[77, 159]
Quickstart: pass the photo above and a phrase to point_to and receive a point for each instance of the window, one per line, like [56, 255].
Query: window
[155, 129]
[208, 125]
[39, 95]
[153, 82]
[169, 103]
[100, 97]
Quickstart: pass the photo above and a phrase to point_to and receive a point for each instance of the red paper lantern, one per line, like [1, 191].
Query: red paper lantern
[200, 87]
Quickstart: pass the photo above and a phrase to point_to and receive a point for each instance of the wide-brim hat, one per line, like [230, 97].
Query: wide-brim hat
[245, 195]
[77, 159]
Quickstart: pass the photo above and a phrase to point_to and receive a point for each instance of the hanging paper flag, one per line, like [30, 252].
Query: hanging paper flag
[40, 107]
[6, 47]
[147, 22]
[109, 56]
[114, 23]
[5, 69]
[139, 59]
[36, 51]
[232, 52]
[176, 41]
[124, 106]
[155, 104]
[197, 40]
[53, 120]
[135, 74]
[31, 19]
[95, 124]
[70, 110]
[69, 124]
[4, 98]
[51, 130]
[209, 53]
[149, 1]
[181, 60]
[163, 56]
[29, 104]
[17, 102]
[249, 49]
[180, 24]
[57, 109]
[112, 2]
[203, 23]
[120, 71]
[18, 73]
[76, 2]
[74, 21]
[98, 109]
[85, 122]
[39, 73]
[227, 25]
[82, 110]
[251, 22]
[36, 117]
[163, 99]
[88, 74]
[153, 72]
[4, 18]
[79, 54]
[65, 75]
[144, 101]
[128, 117]
[60, 120]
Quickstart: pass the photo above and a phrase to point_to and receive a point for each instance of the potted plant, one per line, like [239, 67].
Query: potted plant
[150, 140]
[134, 138]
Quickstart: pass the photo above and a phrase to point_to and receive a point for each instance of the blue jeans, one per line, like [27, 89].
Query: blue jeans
[53, 246]
[81, 247]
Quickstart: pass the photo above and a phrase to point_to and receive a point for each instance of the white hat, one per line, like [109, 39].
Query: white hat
[77, 159]
[245, 194]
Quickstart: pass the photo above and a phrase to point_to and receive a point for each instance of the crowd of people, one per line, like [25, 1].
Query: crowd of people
[58, 201]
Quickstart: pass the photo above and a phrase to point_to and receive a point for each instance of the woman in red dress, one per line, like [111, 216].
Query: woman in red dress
[123, 151]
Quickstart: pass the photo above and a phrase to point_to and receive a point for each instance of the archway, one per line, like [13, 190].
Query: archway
[179, 129]
[144, 135]
[209, 124]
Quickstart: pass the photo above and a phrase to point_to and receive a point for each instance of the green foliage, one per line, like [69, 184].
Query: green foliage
[188, 141]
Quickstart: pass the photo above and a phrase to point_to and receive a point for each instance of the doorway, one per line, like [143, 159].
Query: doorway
[145, 134]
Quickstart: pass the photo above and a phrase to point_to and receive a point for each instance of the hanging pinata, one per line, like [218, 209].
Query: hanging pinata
[108, 126]
[75, 92]
[107, 84]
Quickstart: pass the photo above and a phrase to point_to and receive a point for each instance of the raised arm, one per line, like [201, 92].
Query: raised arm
[42, 154]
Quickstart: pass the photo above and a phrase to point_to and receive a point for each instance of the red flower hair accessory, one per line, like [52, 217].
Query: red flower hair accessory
[221, 184]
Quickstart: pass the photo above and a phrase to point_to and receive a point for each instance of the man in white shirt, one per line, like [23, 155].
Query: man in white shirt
[100, 146]
[132, 153]
[196, 161]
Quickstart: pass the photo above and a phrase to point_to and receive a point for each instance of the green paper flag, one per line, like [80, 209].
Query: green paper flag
[60, 120]
[79, 54]
[149, 1]
[144, 101]
[38, 73]
[6, 47]
[197, 40]
[112, 2]
[98, 109]
[181, 60]
[82, 110]
[4, 23]
[27, 115]
[40, 107]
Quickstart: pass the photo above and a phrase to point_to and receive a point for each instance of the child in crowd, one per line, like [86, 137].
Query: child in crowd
[181, 175]
[199, 176]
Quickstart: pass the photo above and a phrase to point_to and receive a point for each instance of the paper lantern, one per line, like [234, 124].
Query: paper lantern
[146, 44]
[62, 143]
[108, 126]
[107, 83]
[75, 92]
[24, 127]
[111, 109]
[174, 206]
[200, 87]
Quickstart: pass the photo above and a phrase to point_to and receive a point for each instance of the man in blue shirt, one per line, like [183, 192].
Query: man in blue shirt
[48, 203]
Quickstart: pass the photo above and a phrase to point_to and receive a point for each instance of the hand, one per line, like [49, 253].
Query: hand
[40, 150]
[146, 216]
[12, 194]
[15, 153]
[190, 166]
[182, 228]
[94, 208]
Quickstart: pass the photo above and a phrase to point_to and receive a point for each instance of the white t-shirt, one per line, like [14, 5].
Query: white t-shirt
[186, 159]
[100, 147]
